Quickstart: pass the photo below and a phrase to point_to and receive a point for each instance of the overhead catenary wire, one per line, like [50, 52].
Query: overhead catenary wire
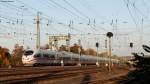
[43, 14]
[56, 20]
[36, 10]
[67, 10]
[130, 13]
[11, 21]
[82, 14]
[76, 9]
[140, 12]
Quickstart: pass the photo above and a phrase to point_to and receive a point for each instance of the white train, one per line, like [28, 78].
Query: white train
[48, 57]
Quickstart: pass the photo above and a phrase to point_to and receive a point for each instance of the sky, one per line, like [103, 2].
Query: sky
[88, 20]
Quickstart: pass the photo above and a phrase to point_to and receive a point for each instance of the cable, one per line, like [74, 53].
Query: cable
[55, 21]
[76, 9]
[45, 16]
[146, 17]
[35, 10]
[94, 12]
[127, 5]
[72, 12]
[66, 9]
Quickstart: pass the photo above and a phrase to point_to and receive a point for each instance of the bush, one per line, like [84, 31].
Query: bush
[136, 73]
[1, 61]
[142, 66]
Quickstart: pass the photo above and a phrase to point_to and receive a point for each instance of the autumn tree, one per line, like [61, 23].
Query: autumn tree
[76, 48]
[17, 55]
[4, 57]
[46, 46]
[103, 54]
[90, 51]
[63, 48]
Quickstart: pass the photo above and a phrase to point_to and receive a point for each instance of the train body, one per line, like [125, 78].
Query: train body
[48, 57]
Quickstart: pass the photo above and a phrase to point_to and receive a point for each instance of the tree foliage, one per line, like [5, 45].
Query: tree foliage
[4, 57]
[76, 49]
[79, 49]
[90, 51]
[17, 55]
[103, 54]
[142, 68]
[63, 48]
[141, 62]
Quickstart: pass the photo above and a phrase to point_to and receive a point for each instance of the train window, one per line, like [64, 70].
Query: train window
[52, 56]
[29, 52]
[76, 59]
[37, 55]
[45, 55]
[66, 58]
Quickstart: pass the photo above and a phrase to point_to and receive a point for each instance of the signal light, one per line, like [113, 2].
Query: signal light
[131, 44]
[97, 44]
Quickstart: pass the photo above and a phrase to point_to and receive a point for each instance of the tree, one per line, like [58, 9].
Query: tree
[103, 54]
[4, 57]
[142, 67]
[75, 49]
[17, 55]
[141, 62]
[90, 52]
[63, 48]
[46, 46]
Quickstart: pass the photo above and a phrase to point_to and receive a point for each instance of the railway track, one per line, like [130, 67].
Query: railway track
[27, 75]
[37, 74]
[22, 70]
[111, 80]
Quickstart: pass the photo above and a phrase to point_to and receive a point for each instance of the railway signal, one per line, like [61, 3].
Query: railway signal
[131, 46]
[97, 46]
[56, 44]
[109, 35]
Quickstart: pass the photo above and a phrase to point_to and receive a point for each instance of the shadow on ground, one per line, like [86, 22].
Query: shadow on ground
[86, 79]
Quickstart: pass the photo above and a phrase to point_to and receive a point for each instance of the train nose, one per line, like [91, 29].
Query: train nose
[26, 59]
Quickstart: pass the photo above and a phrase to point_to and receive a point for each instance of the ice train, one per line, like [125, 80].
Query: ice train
[49, 57]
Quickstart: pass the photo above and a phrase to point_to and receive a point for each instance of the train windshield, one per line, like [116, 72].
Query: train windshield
[29, 52]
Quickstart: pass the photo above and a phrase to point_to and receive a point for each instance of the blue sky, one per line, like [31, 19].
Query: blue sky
[87, 16]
